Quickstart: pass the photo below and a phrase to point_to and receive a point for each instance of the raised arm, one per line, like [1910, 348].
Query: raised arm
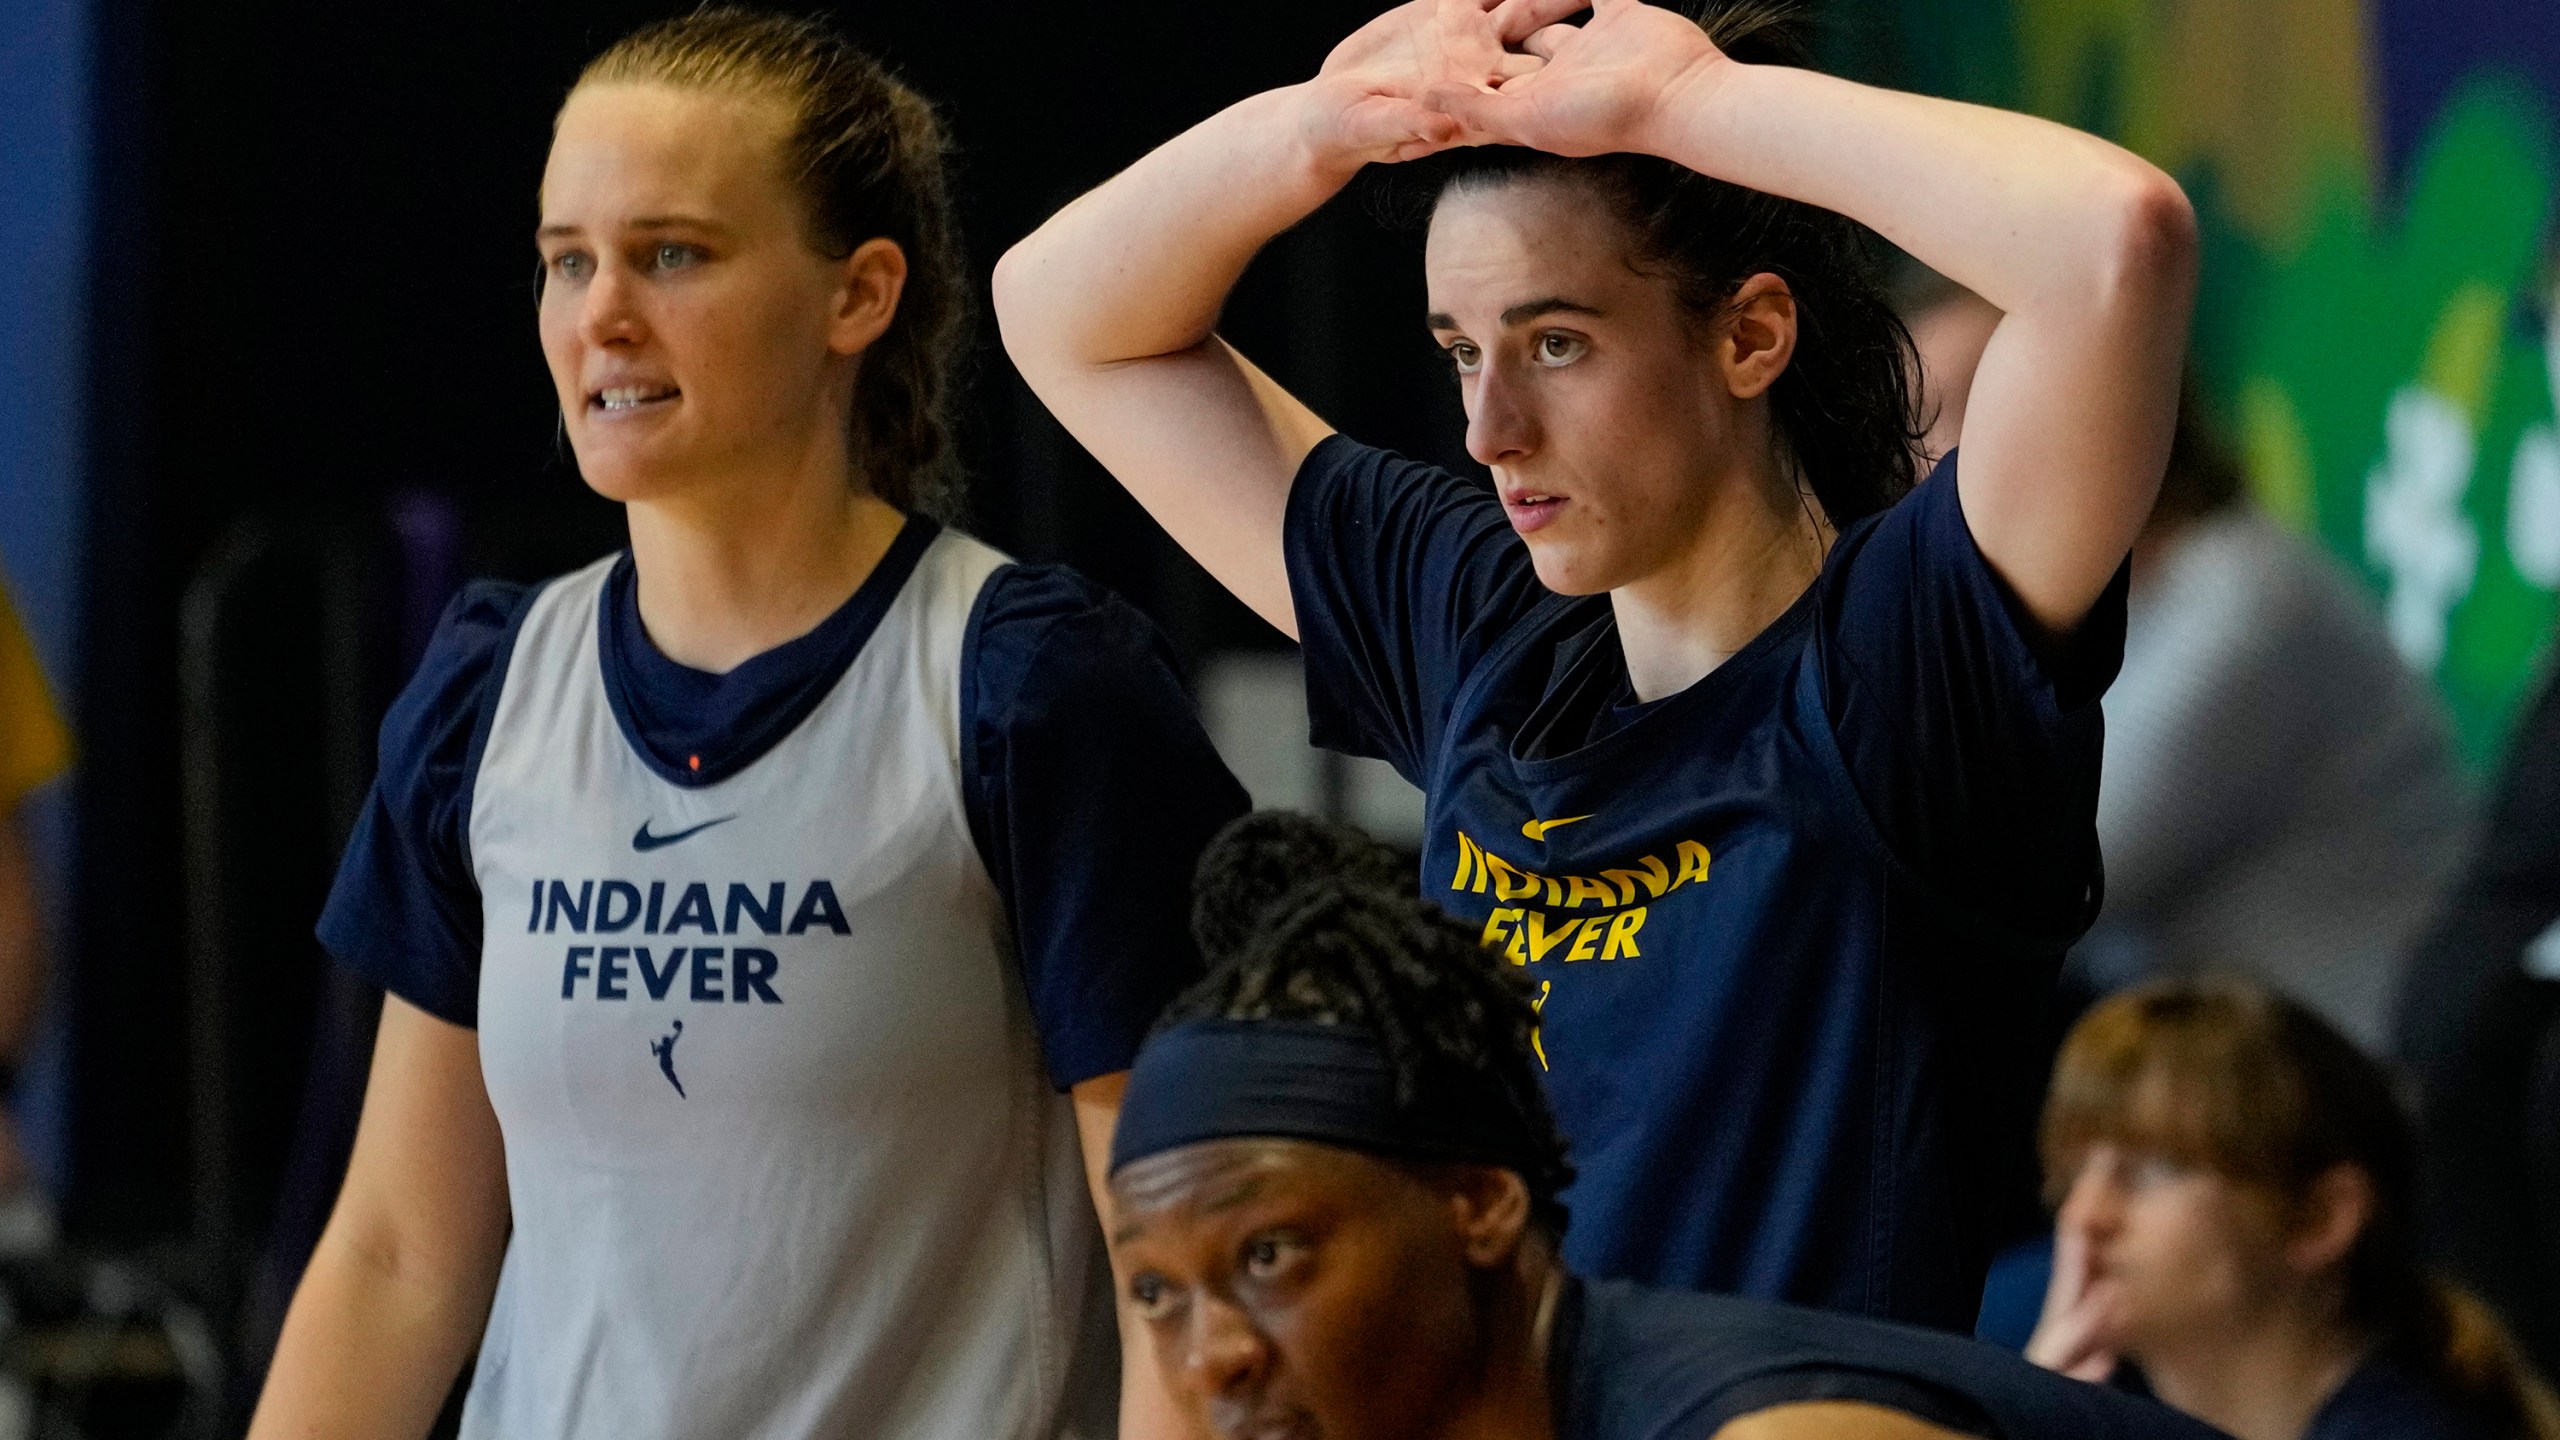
[1109, 309]
[2088, 250]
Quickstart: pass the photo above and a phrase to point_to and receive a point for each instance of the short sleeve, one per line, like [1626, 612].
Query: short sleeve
[34, 746]
[1091, 791]
[1403, 576]
[1973, 738]
[404, 911]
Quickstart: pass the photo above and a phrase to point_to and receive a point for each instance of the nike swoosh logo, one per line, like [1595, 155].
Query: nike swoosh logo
[642, 840]
[1537, 829]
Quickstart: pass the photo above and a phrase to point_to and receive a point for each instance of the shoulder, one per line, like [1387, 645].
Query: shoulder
[1345, 483]
[438, 712]
[1727, 1357]
[2383, 1400]
[1913, 575]
[1041, 627]
[1640, 1349]
[1919, 539]
[1339, 459]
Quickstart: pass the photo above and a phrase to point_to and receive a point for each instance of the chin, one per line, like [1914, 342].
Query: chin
[620, 475]
[1566, 572]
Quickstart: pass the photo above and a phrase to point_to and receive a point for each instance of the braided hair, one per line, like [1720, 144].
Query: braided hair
[1307, 921]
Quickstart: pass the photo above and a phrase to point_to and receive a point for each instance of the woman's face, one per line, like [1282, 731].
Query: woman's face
[692, 329]
[1291, 1289]
[1608, 414]
[2176, 1253]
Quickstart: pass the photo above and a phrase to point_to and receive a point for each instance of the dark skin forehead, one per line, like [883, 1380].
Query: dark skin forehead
[1199, 1182]
[1293, 1286]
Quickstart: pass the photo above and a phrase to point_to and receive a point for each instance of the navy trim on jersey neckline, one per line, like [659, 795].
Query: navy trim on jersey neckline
[673, 715]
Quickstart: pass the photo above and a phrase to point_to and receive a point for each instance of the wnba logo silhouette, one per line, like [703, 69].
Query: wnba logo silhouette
[665, 1050]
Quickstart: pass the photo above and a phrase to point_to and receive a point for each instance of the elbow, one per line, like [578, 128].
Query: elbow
[1009, 290]
[2150, 247]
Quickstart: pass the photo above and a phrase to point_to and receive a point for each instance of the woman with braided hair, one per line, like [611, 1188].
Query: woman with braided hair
[769, 913]
[1335, 1207]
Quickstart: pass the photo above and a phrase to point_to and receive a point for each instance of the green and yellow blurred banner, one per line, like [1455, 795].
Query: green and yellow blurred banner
[2376, 180]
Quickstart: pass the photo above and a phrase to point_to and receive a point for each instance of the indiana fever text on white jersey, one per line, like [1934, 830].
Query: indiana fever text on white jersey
[778, 975]
[1795, 926]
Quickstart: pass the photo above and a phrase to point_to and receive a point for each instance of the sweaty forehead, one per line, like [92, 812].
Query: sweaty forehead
[624, 149]
[1495, 247]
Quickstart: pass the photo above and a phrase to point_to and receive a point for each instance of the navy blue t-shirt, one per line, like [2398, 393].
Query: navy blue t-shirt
[1792, 927]
[1632, 1363]
[2385, 1400]
[1090, 787]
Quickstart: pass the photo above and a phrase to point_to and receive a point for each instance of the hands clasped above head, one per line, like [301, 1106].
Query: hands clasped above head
[1436, 73]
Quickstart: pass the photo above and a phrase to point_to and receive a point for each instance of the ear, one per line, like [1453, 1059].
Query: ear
[1491, 1207]
[870, 281]
[2336, 1210]
[1759, 336]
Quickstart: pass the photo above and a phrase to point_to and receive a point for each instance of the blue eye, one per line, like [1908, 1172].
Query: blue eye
[675, 257]
[571, 265]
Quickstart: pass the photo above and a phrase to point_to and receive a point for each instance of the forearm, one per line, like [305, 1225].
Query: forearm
[1141, 266]
[371, 1344]
[2028, 214]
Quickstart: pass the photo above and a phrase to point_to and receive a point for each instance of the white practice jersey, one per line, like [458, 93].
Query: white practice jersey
[783, 1157]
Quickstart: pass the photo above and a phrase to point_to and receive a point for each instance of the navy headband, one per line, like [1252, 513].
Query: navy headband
[1287, 1079]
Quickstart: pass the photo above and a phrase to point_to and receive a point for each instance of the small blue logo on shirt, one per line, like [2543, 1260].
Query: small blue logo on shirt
[643, 841]
[665, 1050]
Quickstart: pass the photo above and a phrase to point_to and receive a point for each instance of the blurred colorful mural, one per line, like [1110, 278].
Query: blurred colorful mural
[2376, 336]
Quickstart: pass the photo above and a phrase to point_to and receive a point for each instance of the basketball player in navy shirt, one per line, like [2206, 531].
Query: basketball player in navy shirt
[1777, 781]
[770, 912]
[1334, 1191]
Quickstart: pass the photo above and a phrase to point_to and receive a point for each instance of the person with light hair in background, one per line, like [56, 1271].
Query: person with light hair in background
[2237, 1185]
[2280, 796]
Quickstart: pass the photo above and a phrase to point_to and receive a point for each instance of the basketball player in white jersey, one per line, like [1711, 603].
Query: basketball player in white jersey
[769, 913]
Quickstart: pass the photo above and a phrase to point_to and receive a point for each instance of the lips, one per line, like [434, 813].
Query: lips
[1293, 1425]
[1531, 510]
[1261, 1417]
[630, 399]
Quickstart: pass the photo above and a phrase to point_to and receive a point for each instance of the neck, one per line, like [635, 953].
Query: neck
[1512, 1399]
[731, 569]
[1756, 552]
[2264, 1378]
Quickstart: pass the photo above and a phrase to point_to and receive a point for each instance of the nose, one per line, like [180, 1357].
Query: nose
[2095, 1204]
[1501, 428]
[1226, 1353]
[606, 312]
